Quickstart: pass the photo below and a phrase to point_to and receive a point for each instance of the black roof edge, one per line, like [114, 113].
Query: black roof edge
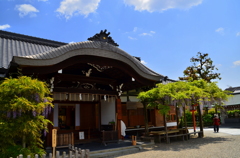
[30, 39]
[233, 88]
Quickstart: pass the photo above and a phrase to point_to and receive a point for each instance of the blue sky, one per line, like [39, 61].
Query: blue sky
[164, 33]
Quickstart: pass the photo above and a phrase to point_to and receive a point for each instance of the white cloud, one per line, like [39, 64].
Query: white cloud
[161, 5]
[26, 9]
[220, 30]
[2, 27]
[69, 8]
[148, 34]
[236, 63]
[238, 34]
[135, 29]
[132, 38]
[143, 62]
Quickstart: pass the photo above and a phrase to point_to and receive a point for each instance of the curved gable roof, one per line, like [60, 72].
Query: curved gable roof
[91, 48]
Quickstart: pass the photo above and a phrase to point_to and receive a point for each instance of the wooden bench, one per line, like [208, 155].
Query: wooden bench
[158, 135]
[176, 136]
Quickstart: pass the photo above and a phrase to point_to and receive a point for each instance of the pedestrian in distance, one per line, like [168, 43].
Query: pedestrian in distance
[216, 123]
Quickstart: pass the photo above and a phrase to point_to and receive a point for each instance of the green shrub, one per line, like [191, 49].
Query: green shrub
[231, 113]
[208, 119]
[25, 105]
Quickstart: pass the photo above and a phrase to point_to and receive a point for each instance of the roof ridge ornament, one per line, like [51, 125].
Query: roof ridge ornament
[103, 36]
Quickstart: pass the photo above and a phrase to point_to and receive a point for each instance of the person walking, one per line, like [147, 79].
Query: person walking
[216, 123]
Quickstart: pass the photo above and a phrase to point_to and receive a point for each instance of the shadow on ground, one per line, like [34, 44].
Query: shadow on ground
[179, 145]
[193, 143]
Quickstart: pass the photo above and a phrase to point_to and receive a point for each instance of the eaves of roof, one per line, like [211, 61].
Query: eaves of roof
[91, 48]
[233, 89]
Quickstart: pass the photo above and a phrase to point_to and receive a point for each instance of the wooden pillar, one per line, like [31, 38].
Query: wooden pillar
[119, 117]
[77, 117]
[55, 116]
[145, 118]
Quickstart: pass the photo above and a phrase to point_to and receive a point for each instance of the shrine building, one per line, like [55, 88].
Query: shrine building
[94, 83]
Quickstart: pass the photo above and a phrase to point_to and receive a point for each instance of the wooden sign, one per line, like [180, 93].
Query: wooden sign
[54, 137]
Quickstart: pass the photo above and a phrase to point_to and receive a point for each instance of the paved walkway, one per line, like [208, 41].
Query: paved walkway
[223, 131]
[225, 144]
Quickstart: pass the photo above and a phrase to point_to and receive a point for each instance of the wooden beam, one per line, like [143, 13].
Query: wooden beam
[75, 90]
[68, 77]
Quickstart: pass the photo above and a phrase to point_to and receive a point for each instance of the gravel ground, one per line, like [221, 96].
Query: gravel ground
[213, 145]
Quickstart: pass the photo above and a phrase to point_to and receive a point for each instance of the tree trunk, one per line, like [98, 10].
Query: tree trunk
[185, 120]
[145, 119]
[200, 121]
[165, 126]
[177, 117]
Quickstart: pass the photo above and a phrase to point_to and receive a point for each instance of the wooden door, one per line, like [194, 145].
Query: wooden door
[87, 116]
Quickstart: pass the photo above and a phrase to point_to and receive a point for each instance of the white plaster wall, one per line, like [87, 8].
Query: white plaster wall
[131, 98]
[235, 99]
[108, 111]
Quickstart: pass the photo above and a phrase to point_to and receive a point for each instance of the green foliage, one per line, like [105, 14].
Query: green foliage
[232, 113]
[183, 93]
[212, 111]
[16, 150]
[202, 68]
[155, 98]
[188, 116]
[25, 104]
[163, 109]
[208, 119]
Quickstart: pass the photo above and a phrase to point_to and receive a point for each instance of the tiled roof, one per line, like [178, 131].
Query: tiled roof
[30, 39]
[32, 51]
[233, 89]
[12, 44]
[92, 48]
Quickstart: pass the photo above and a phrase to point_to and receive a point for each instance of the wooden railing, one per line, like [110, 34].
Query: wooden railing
[73, 153]
[63, 140]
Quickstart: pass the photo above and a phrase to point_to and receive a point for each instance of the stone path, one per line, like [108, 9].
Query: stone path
[225, 144]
